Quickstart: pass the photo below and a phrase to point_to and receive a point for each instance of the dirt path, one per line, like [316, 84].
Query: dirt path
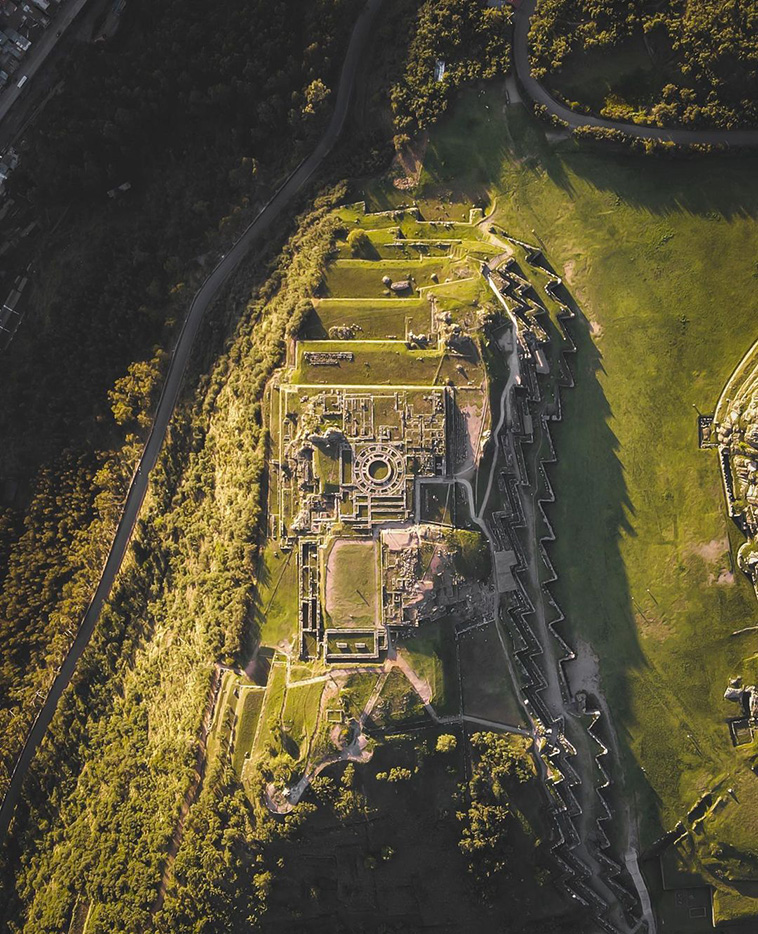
[420, 685]
[497, 725]
[505, 417]
[282, 802]
[630, 859]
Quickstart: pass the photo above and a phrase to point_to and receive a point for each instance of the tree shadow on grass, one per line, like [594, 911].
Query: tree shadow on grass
[468, 149]
[714, 185]
[257, 613]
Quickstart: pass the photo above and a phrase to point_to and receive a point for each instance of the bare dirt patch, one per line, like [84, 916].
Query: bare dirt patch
[398, 539]
[407, 164]
[710, 551]
[468, 454]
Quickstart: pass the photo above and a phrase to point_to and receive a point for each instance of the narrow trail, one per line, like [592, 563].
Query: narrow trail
[505, 417]
[632, 865]
[497, 725]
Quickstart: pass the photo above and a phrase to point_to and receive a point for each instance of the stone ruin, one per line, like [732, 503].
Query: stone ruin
[743, 727]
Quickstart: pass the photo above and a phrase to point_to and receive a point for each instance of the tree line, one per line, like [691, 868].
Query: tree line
[452, 42]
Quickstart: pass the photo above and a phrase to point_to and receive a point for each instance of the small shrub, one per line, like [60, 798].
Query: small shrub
[446, 743]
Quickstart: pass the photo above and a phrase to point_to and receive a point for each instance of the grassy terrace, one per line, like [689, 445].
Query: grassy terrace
[271, 713]
[300, 715]
[661, 256]
[248, 713]
[360, 278]
[372, 319]
[382, 363]
[276, 597]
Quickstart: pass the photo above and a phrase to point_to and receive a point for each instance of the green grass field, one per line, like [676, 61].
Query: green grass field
[384, 245]
[432, 655]
[373, 364]
[351, 584]
[357, 278]
[356, 691]
[270, 716]
[488, 691]
[438, 502]
[398, 703]
[660, 254]
[327, 467]
[372, 319]
[223, 716]
[248, 712]
[352, 642]
[300, 714]
[276, 596]
[383, 363]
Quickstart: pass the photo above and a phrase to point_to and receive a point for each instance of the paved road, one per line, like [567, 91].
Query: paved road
[203, 298]
[538, 93]
[35, 58]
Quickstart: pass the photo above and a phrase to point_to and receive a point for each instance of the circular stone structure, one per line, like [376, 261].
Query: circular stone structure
[379, 469]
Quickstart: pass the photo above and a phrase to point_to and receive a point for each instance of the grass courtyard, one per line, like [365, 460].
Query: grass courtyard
[359, 278]
[371, 319]
[351, 583]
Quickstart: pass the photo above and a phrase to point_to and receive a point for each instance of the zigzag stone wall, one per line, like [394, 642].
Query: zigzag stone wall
[515, 615]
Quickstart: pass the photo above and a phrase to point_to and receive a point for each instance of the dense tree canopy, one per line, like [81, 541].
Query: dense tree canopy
[708, 49]
[122, 750]
[472, 41]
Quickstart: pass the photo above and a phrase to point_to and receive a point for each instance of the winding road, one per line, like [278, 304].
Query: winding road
[537, 93]
[170, 394]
